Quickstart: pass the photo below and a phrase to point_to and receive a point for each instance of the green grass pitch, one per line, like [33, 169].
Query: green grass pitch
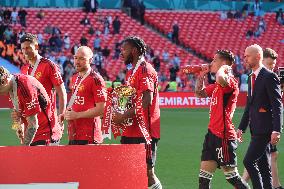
[182, 134]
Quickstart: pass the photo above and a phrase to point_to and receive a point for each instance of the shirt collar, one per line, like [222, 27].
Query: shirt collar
[256, 72]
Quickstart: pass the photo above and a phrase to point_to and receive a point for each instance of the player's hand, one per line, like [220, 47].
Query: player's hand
[240, 135]
[117, 117]
[70, 115]
[275, 138]
[20, 135]
[61, 120]
[205, 69]
[15, 116]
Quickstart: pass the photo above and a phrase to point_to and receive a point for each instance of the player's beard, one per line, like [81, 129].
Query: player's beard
[129, 59]
[81, 68]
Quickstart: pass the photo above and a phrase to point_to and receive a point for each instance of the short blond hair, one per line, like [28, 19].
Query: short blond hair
[258, 49]
[87, 49]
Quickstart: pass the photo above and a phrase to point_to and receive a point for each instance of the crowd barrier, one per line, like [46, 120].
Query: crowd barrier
[167, 100]
[92, 166]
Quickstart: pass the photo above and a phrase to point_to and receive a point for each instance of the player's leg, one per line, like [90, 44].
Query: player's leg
[207, 169]
[208, 164]
[227, 158]
[78, 142]
[153, 181]
[233, 177]
[274, 168]
[245, 175]
[151, 153]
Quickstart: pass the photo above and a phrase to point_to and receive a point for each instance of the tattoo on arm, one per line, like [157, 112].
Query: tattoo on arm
[199, 87]
[31, 130]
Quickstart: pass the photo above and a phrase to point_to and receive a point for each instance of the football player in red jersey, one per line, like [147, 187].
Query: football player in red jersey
[87, 102]
[48, 74]
[220, 143]
[32, 104]
[144, 79]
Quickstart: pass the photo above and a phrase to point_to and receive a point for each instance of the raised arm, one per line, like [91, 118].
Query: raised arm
[199, 87]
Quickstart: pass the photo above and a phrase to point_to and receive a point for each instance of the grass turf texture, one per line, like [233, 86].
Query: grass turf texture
[179, 149]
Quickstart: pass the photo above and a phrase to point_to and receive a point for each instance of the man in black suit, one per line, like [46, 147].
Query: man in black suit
[263, 113]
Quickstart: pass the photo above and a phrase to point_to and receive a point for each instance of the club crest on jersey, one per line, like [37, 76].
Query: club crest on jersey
[81, 88]
[38, 75]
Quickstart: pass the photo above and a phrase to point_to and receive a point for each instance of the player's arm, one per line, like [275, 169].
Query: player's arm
[199, 87]
[222, 76]
[90, 113]
[31, 129]
[61, 92]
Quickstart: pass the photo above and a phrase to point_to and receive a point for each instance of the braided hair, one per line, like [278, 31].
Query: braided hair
[227, 55]
[4, 73]
[138, 43]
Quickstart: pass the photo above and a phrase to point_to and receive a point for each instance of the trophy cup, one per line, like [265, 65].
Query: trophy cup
[123, 99]
[16, 125]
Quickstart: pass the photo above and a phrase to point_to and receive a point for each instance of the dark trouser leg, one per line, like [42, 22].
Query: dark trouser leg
[252, 161]
[266, 173]
[78, 142]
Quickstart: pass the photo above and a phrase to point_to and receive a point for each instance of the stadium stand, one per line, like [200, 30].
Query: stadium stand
[68, 20]
[205, 32]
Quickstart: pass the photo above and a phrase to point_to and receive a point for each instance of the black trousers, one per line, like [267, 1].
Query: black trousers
[257, 162]
[81, 142]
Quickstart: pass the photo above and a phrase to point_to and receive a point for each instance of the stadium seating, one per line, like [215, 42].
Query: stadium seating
[205, 32]
[68, 20]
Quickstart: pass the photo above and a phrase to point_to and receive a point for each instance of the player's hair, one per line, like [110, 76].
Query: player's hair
[270, 53]
[87, 49]
[4, 73]
[138, 43]
[29, 37]
[227, 55]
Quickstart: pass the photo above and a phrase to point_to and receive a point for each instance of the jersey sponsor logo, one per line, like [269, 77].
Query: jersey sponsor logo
[32, 104]
[38, 75]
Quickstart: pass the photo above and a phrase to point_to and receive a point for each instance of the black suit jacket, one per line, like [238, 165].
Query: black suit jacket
[263, 112]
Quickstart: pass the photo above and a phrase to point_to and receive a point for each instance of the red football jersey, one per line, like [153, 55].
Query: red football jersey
[216, 115]
[146, 78]
[91, 91]
[48, 74]
[29, 105]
